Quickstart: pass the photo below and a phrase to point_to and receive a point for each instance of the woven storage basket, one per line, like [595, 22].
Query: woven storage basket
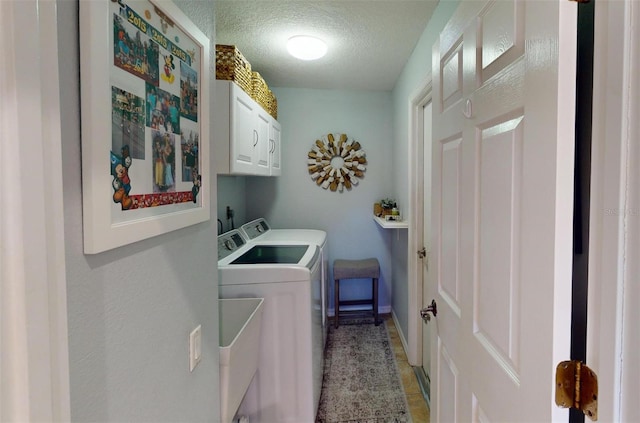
[231, 65]
[274, 106]
[263, 95]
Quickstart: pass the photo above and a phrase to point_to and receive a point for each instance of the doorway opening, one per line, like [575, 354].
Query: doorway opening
[420, 204]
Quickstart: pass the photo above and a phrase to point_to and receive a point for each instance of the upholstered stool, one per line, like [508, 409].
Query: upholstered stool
[356, 269]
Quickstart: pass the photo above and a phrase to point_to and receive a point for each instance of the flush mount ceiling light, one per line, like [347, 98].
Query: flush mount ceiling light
[305, 47]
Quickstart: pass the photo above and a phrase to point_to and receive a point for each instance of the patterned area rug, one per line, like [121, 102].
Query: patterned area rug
[361, 383]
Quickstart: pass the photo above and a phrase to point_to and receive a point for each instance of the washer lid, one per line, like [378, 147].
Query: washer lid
[276, 254]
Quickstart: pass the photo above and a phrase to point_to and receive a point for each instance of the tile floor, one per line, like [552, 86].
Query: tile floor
[417, 405]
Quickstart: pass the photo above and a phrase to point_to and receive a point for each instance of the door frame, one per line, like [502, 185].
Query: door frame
[614, 296]
[33, 300]
[415, 241]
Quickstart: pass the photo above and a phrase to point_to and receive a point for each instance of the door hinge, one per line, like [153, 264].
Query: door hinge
[577, 387]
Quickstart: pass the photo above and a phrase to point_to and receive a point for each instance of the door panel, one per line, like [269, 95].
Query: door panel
[498, 32]
[478, 413]
[501, 28]
[496, 290]
[451, 70]
[448, 283]
[447, 386]
[450, 83]
[502, 212]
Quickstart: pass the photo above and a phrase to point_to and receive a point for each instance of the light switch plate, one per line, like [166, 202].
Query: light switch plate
[195, 347]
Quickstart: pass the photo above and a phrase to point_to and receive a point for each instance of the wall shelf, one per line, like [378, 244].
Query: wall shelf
[391, 225]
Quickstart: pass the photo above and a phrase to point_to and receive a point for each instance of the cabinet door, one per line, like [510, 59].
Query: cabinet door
[243, 134]
[274, 148]
[262, 122]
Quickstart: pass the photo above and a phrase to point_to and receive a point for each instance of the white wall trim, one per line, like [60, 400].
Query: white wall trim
[416, 219]
[34, 370]
[614, 295]
[403, 340]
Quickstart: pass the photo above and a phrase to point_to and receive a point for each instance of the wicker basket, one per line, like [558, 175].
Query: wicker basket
[274, 106]
[259, 90]
[261, 93]
[231, 65]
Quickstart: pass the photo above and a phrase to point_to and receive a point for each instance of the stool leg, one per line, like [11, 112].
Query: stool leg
[336, 294]
[375, 301]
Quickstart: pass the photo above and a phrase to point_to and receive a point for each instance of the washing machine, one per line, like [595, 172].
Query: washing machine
[288, 275]
[259, 230]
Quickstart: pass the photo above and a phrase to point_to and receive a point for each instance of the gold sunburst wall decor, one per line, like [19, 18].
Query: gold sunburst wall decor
[336, 165]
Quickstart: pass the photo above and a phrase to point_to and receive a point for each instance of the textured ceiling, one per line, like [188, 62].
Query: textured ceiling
[369, 40]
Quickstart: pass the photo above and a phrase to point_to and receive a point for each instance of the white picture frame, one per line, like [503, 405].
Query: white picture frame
[142, 60]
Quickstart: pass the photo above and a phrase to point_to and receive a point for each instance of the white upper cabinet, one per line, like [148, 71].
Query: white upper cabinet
[243, 134]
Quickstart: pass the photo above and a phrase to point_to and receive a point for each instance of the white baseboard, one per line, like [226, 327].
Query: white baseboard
[400, 333]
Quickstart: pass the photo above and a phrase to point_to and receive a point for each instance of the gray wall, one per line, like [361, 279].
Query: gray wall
[232, 193]
[412, 77]
[130, 310]
[293, 200]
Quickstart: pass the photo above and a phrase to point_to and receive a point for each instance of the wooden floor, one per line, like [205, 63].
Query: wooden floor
[417, 405]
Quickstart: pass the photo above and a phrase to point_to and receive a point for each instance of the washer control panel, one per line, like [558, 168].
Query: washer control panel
[255, 228]
[229, 242]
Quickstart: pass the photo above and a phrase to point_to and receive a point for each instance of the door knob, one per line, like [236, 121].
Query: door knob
[432, 308]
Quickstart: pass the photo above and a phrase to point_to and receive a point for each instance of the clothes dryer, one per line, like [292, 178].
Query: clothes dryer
[259, 230]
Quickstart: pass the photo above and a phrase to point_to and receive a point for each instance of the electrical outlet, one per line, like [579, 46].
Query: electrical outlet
[195, 347]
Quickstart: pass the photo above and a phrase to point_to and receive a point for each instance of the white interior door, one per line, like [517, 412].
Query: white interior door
[504, 97]
[427, 292]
